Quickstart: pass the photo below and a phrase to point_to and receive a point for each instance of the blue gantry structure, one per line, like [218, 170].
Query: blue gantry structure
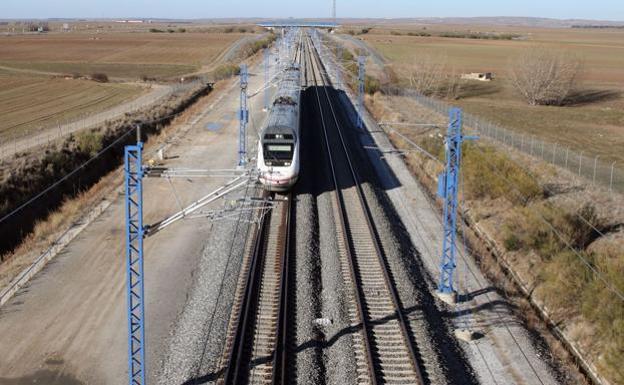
[135, 234]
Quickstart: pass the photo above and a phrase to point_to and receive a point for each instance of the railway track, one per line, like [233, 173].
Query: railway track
[256, 344]
[384, 349]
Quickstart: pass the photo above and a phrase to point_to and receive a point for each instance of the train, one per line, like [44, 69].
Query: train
[279, 143]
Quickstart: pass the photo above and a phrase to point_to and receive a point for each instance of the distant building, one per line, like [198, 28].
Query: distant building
[66, 27]
[480, 76]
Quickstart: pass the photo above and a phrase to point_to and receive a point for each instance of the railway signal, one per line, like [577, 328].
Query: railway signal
[448, 188]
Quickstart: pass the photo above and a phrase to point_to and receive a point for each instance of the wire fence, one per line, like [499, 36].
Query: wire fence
[582, 164]
[11, 145]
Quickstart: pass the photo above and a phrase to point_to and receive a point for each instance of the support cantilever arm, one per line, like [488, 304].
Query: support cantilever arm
[231, 186]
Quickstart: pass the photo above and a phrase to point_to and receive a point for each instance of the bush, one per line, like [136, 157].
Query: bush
[371, 85]
[511, 241]
[543, 76]
[491, 174]
[156, 30]
[182, 30]
[225, 71]
[89, 142]
[100, 77]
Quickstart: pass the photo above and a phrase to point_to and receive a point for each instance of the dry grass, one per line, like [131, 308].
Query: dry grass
[521, 230]
[594, 122]
[30, 102]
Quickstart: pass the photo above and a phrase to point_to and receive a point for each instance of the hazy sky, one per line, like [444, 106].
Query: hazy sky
[561, 9]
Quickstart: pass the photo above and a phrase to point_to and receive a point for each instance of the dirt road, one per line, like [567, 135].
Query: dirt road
[68, 326]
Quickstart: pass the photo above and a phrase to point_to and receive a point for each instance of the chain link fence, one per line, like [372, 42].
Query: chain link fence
[590, 167]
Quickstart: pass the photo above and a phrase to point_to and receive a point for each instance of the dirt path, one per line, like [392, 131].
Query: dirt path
[68, 326]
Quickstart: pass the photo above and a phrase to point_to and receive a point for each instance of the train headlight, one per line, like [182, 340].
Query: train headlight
[287, 164]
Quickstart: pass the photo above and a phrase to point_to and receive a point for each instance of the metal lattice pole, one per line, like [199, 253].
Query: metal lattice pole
[361, 89]
[243, 115]
[448, 187]
[134, 263]
[267, 77]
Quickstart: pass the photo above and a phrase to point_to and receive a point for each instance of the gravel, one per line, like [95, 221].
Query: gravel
[198, 336]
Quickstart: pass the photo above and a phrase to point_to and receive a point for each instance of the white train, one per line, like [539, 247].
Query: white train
[278, 147]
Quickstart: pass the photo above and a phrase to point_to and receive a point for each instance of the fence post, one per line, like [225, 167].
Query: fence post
[567, 153]
[554, 153]
[595, 167]
[580, 162]
[532, 142]
[611, 182]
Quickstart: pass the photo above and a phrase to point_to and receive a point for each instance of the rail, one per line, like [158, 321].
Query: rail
[377, 301]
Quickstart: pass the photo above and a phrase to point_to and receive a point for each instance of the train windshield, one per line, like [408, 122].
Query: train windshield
[277, 153]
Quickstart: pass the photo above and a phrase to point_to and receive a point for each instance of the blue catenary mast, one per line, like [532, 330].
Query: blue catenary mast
[448, 187]
[361, 89]
[243, 117]
[134, 263]
[267, 76]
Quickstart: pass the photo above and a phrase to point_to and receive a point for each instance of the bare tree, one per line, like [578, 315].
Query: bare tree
[544, 76]
[427, 74]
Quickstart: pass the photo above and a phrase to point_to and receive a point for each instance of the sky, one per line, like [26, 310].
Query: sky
[196, 9]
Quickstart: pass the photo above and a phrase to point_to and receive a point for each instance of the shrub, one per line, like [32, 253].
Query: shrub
[491, 174]
[371, 85]
[225, 71]
[182, 30]
[156, 30]
[543, 76]
[100, 77]
[511, 241]
[89, 142]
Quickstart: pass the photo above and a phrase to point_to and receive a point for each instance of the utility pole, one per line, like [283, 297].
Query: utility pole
[361, 90]
[243, 117]
[334, 11]
[267, 76]
[448, 188]
[133, 167]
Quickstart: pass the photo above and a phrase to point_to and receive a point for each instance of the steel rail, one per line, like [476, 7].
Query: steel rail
[241, 355]
[403, 323]
[280, 355]
[235, 361]
[342, 223]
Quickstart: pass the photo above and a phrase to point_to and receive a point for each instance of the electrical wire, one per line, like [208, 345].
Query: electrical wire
[80, 167]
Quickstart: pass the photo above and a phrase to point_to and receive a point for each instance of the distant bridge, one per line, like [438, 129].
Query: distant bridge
[297, 24]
